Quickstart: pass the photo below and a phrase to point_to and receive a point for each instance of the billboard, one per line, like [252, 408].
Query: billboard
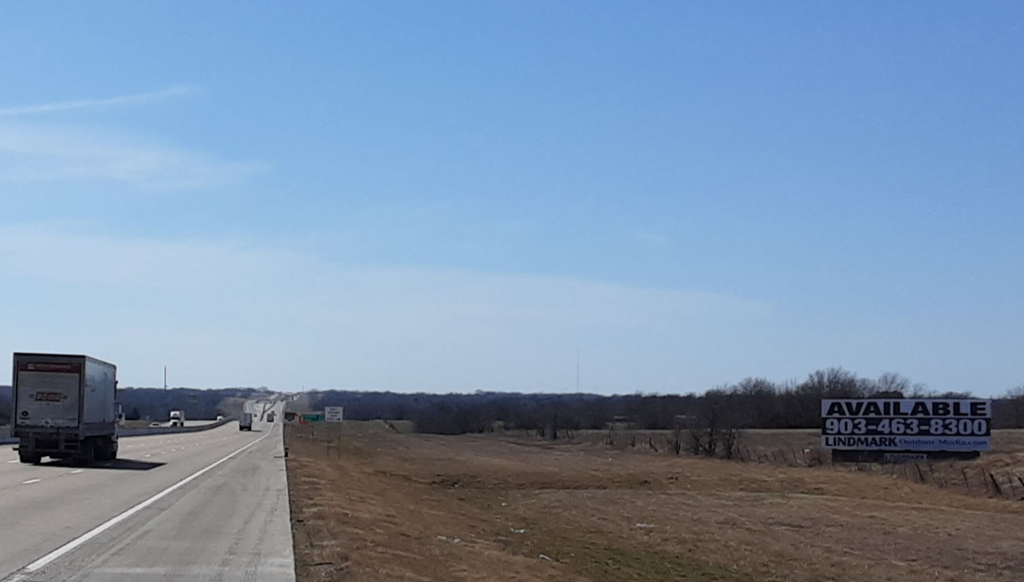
[906, 425]
[333, 413]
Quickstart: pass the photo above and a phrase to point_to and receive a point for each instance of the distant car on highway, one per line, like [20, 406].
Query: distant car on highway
[155, 425]
[177, 418]
[245, 423]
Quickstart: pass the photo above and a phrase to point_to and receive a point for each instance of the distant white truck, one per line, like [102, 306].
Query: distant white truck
[65, 407]
[245, 423]
[177, 418]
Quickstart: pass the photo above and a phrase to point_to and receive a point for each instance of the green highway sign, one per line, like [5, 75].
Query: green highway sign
[318, 417]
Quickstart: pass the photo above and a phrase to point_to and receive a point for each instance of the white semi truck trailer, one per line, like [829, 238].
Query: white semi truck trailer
[65, 407]
[177, 418]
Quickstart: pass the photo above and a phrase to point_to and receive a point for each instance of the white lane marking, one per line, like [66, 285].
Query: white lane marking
[77, 471]
[14, 461]
[148, 456]
[31, 481]
[55, 554]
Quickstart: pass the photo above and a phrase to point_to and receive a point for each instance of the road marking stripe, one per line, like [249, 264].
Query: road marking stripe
[45, 560]
[77, 471]
[31, 481]
[14, 461]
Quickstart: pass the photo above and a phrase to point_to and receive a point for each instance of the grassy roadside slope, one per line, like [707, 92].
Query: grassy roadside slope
[370, 504]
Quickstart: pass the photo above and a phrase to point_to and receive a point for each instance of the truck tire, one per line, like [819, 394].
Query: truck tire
[106, 449]
[100, 449]
[29, 459]
[87, 453]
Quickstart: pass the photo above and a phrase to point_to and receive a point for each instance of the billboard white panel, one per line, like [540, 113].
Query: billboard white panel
[961, 425]
[333, 413]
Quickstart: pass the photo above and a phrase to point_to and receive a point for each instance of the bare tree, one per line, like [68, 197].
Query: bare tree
[1015, 406]
[828, 383]
[918, 390]
[893, 383]
[713, 429]
[759, 403]
[677, 436]
[833, 383]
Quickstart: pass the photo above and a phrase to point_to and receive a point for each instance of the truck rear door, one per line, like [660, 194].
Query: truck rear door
[47, 394]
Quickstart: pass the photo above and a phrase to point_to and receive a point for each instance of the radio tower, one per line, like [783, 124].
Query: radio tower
[577, 370]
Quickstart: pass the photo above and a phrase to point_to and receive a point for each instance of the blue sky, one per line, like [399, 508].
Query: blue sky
[461, 196]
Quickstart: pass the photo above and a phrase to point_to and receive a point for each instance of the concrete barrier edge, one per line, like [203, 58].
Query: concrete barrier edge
[133, 432]
[130, 432]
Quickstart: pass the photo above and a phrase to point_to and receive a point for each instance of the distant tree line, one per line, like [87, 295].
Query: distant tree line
[5, 405]
[156, 404]
[751, 403]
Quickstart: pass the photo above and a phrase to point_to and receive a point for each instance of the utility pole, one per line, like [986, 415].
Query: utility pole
[167, 397]
[577, 370]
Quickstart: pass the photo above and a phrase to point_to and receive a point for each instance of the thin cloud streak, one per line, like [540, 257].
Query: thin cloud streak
[133, 99]
[54, 154]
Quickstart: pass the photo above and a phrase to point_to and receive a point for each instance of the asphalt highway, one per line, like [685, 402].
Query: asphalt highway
[211, 505]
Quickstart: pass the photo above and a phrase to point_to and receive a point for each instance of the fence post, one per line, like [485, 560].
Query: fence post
[995, 484]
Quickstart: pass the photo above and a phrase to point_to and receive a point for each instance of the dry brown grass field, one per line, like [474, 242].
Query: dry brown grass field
[997, 474]
[372, 504]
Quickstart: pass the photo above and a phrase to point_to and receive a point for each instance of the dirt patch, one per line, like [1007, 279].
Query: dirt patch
[370, 503]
